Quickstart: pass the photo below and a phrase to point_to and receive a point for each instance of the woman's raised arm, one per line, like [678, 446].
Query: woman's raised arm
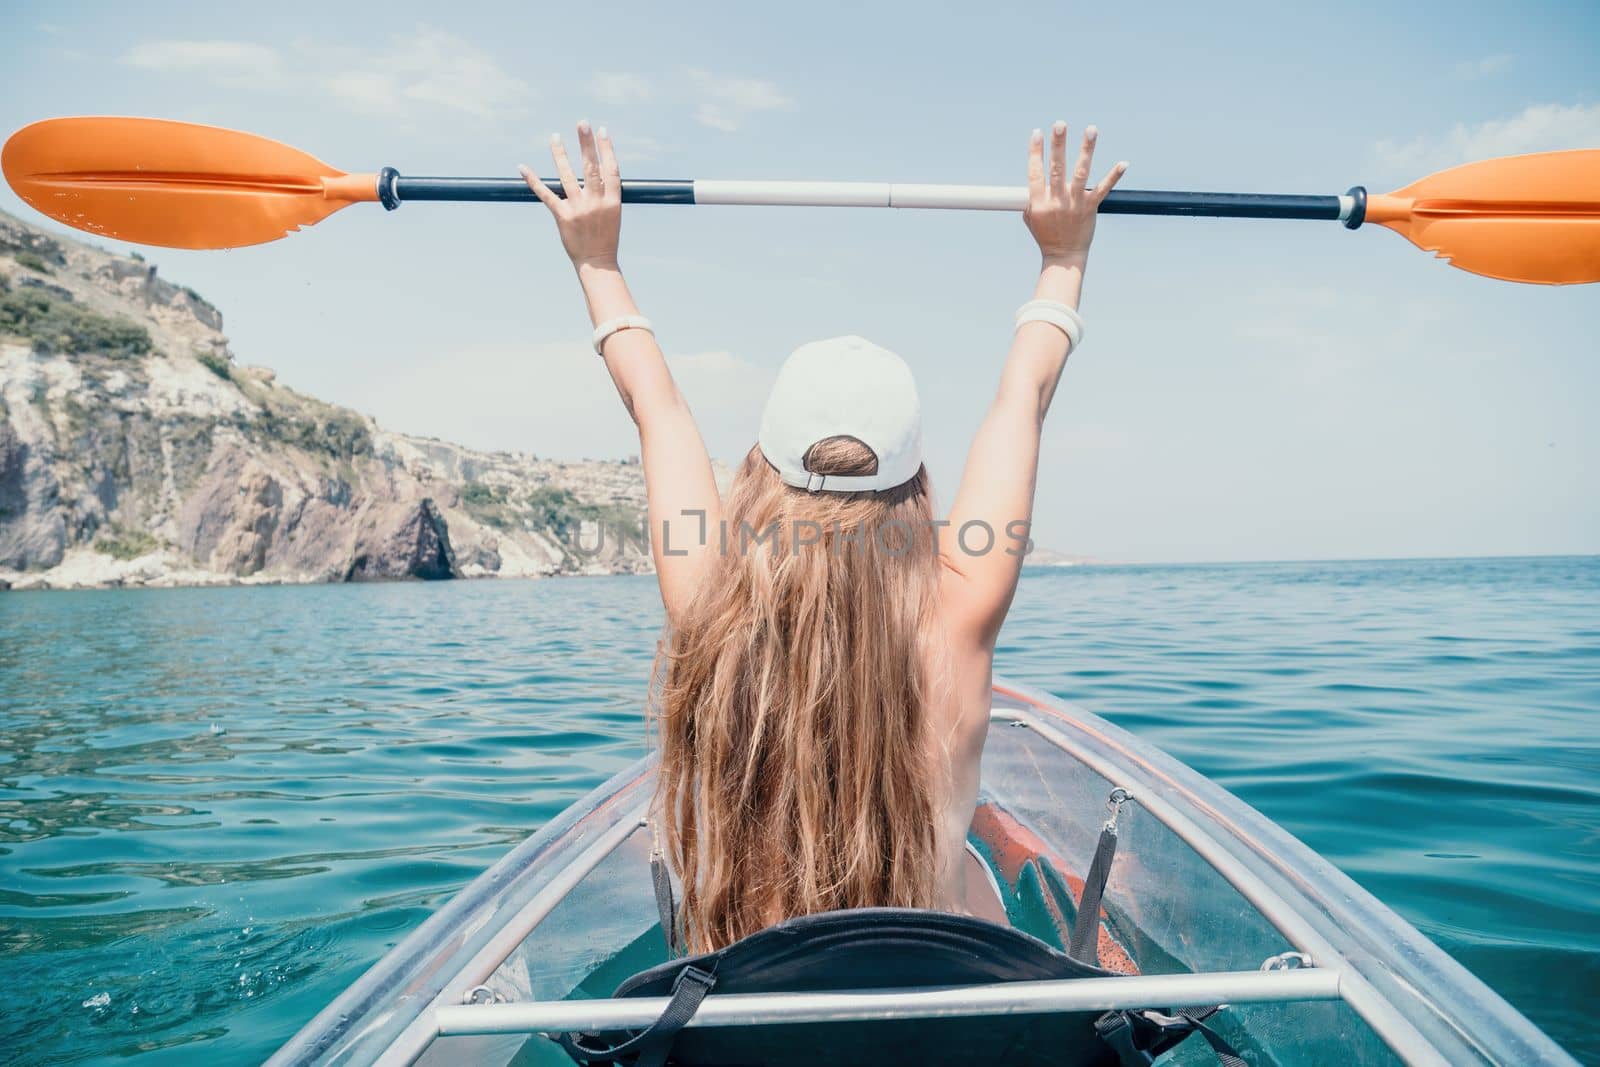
[683, 507]
[982, 548]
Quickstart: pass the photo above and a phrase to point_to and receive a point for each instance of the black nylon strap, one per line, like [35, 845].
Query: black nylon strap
[1138, 1038]
[1227, 1055]
[1116, 1030]
[1085, 943]
[666, 908]
[654, 1045]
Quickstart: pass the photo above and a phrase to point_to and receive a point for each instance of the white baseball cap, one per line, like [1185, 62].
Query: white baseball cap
[843, 387]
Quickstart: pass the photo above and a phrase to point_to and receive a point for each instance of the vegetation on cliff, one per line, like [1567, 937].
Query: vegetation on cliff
[575, 522]
[53, 324]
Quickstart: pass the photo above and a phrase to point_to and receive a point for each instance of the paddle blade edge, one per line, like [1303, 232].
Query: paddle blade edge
[1532, 218]
[172, 184]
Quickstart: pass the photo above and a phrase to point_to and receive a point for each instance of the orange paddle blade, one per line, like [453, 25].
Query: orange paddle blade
[1522, 218]
[176, 184]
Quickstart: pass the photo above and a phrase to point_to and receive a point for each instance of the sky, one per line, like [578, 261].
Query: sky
[1245, 390]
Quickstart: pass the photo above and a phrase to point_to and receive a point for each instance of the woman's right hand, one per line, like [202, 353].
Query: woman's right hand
[1061, 211]
[590, 217]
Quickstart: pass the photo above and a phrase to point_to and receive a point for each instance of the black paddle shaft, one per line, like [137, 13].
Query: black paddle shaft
[497, 190]
[1220, 205]
[396, 189]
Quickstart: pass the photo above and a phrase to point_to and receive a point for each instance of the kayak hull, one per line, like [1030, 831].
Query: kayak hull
[1203, 887]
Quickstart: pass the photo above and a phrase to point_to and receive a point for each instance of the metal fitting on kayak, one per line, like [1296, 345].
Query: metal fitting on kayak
[1119, 796]
[1287, 961]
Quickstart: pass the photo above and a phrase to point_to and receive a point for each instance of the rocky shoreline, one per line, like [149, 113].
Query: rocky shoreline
[135, 451]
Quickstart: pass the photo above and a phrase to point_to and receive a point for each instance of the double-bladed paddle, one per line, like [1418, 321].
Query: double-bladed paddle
[1533, 218]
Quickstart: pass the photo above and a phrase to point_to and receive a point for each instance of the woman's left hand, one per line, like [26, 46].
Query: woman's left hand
[590, 217]
[1061, 210]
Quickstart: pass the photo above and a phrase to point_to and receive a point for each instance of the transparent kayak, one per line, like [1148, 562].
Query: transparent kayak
[1207, 903]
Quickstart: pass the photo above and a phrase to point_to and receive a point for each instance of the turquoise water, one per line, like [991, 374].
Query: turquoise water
[217, 807]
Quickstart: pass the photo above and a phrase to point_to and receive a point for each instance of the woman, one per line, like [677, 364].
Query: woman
[827, 669]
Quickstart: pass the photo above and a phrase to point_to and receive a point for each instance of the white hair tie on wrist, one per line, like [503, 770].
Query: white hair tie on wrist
[621, 322]
[1063, 317]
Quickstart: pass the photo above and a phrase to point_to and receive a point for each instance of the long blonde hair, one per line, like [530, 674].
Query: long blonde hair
[798, 772]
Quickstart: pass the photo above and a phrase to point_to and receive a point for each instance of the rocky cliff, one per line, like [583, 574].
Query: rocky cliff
[134, 450]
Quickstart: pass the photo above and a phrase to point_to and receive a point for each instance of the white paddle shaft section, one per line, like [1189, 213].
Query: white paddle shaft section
[1006, 998]
[862, 194]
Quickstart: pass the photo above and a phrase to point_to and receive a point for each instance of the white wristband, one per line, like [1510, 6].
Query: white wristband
[1062, 316]
[621, 322]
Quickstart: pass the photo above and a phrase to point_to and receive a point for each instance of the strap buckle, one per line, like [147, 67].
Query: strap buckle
[814, 482]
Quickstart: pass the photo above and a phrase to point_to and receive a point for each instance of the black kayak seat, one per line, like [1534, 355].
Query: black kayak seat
[875, 948]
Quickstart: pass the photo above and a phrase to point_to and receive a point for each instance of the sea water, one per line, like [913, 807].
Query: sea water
[219, 806]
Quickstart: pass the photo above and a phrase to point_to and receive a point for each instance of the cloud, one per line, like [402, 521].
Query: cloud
[427, 67]
[638, 148]
[230, 63]
[436, 68]
[724, 103]
[1488, 66]
[1539, 128]
[620, 88]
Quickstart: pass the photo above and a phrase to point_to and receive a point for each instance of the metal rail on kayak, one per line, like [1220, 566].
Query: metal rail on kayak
[1004, 998]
